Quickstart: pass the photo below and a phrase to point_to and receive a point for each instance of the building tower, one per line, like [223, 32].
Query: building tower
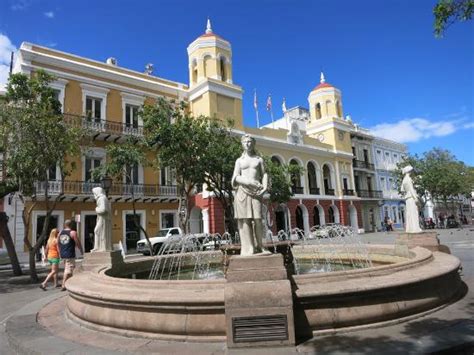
[211, 88]
[326, 121]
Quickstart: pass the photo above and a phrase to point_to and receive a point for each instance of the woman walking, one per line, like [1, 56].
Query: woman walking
[52, 253]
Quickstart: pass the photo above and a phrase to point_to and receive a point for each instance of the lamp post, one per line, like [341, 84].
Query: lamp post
[106, 184]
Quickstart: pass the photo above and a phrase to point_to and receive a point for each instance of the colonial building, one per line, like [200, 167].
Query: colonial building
[104, 97]
[387, 154]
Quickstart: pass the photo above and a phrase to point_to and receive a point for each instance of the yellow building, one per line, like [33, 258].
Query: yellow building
[105, 98]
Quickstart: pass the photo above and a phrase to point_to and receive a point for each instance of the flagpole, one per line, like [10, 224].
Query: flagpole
[255, 105]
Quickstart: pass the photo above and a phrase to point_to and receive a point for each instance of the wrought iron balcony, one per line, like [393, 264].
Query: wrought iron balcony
[82, 188]
[103, 128]
[348, 192]
[297, 189]
[330, 192]
[314, 190]
[370, 193]
[361, 164]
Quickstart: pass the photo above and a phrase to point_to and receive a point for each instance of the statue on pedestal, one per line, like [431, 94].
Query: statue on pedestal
[250, 182]
[103, 227]
[412, 221]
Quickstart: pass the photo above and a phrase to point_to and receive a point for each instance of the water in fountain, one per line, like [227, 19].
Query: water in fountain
[190, 257]
[332, 247]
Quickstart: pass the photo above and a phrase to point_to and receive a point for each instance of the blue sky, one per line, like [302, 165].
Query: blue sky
[395, 76]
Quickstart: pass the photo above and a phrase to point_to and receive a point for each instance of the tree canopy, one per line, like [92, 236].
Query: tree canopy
[447, 12]
[35, 141]
[440, 174]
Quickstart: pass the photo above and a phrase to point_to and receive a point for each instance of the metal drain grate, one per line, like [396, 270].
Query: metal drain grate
[263, 328]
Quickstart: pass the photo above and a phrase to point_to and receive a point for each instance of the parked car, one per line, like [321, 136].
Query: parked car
[158, 240]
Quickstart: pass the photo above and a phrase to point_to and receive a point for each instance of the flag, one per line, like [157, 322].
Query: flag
[283, 105]
[269, 102]
[255, 104]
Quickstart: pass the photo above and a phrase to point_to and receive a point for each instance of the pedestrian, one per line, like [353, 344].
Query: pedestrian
[68, 242]
[52, 254]
[389, 225]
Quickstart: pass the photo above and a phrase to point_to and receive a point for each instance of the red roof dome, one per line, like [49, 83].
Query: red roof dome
[210, 35]
[323, 85]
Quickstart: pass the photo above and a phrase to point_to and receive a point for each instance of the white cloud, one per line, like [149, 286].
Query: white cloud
[6, 49]
[416, 129]
[49, 14]
[19, 5]
[468, 125]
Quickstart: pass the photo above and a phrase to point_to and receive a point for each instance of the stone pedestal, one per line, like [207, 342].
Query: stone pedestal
[258, 302]
[428, 240]
[98, 258]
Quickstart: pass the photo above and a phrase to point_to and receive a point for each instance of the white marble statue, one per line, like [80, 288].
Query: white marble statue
[103, 227]
[412, 221]
[250, 182]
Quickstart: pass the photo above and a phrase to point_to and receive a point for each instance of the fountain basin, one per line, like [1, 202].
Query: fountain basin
[407, 283]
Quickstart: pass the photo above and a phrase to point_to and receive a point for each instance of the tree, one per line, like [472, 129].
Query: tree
[280, 177]
[36, 140]
[447, 12]
[219, 159]
[440, 174]
[121, 158]
[179, 142]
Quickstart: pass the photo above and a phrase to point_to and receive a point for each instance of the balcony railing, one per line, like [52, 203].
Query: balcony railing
[297, 189]
[117, 189]
[314, 190]
[103, 126]
[361, 164]
[348, 192]
[330, 192]
[370, 193]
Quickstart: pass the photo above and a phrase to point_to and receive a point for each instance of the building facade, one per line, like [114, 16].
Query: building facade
[387, 154]
[104, 97]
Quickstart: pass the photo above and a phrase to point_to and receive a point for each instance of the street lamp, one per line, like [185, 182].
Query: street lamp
[106, 184]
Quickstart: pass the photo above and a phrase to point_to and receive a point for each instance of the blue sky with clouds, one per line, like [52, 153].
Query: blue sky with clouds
[396, 77]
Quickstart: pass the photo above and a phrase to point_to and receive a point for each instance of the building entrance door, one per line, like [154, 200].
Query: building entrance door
[89, 225]
[53, 223]
[132, 232]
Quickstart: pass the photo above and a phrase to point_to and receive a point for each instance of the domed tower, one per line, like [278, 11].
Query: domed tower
[326, 117]
[211, 88]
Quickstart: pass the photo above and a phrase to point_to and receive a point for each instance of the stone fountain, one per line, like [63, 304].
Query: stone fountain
[261, 298]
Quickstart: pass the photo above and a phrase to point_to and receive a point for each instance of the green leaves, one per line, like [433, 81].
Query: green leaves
[439, 173]
[35, 138]
[280, 178]
[447, 12]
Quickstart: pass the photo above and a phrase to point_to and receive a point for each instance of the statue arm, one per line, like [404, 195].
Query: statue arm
[238, 179]
[265, 179]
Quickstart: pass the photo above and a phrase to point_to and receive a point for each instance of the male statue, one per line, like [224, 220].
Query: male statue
[250, 182]
[412, 218]
[103, 227]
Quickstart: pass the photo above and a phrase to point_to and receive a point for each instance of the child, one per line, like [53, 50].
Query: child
[52, 253]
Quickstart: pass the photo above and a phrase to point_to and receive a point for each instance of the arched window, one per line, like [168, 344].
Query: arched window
[295, 178]
[331, 218]
[327, 178]
[223, 69]
[338, 109]
[312, 181]
[276, 160]
[318, 111]
[194, 71]
[207, 65]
